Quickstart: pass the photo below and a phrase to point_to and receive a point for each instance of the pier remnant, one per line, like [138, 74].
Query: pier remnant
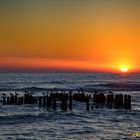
[65, 100]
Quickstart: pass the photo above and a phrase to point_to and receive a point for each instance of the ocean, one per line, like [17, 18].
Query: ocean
[31, 122]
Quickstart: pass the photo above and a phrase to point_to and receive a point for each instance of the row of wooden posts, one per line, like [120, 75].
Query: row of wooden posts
[66, 100]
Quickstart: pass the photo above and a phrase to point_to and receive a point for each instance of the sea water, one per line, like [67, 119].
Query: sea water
[34, 123]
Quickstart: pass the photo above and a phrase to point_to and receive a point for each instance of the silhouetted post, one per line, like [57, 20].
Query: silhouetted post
[35, 100]
[121, 101]
[101, 98]
[25, 98]
[8, 100]
[47, 98]
[16, 98]
[11, 99]
[40, 101]
[4, 101]
[49, 102]
[116, 101]
[18, 101]
[125, 101]
[129, 102]
[44, 101]
[21, 100]
[95, 98]
[110, 99]
[54, 101]
[70, 101]
[87, 103]
[30, 99]
[64, 103]
[90, 97]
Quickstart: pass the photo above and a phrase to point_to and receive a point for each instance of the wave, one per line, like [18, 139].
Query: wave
[57, 82]
[87, 87]
[123, 86]
[23, 118]
[113, 86]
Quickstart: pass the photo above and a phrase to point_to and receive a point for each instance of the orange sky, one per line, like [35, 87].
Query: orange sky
[99, 35]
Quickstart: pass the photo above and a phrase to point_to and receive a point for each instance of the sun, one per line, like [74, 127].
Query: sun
[124, 69]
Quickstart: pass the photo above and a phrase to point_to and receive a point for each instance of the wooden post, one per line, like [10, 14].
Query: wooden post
[40, 101]
[44, 101]
[129, 102]
[87, 103]
[125, 101]
[16, 99]
[54, 101]
[4, 101]
[8, 100]
[49, 102]
[64, 103]
[70, 101]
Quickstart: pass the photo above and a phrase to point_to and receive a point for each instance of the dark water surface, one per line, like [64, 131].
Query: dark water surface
[31, 122]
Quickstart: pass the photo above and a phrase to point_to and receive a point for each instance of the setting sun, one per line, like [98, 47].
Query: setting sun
[124, 69]
[94, 37]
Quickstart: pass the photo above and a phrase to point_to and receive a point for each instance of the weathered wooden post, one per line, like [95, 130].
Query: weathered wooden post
[35, 100]
[22, 100]
[54, 101]
[95, 96]
[87, 103]
[44, 101]
[4, 102]
[16, 99]
[121, 101]
[129, 102]
[70, 101]
[8, 100]
[25, 98]
[64, 103]
[125, 101]
[40, 101]
[49, 102]
[110, 99]
[11, 99]
[116, 101]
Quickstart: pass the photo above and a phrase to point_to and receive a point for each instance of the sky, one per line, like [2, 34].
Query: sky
[69, 35]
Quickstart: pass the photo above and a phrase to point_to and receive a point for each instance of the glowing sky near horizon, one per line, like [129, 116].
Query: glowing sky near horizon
[89, 35]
